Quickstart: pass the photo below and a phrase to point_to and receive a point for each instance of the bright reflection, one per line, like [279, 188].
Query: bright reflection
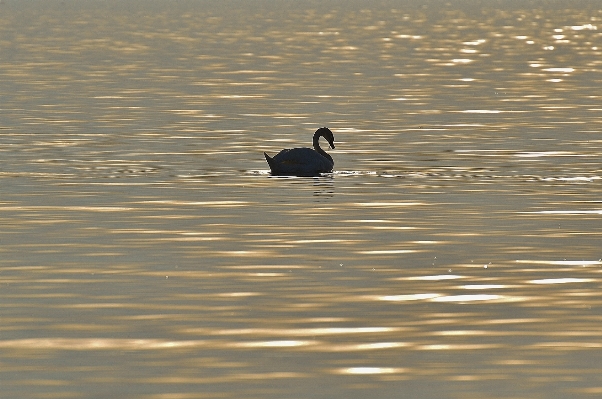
[481, 111]
[444, 347]
[461, 60]
[389, 251]
[371, 370]
[389, 204]
[475, 42]
[482, 286]
[410, 297]
[569, 345]
[301, 332]
[462, 332]
[467, 298]
[409, 36]
[584, 27]
[584, 179]
[379, 345]
[450, 298]
[538, 154]
[227, 203]
[567, 70]
[68, 208]
[563, 262]
[329, 347]
[97, 343]
[561, 280]
[436, 278]
[238, 294]
[305, 241]
[273, 344]
[571, 212]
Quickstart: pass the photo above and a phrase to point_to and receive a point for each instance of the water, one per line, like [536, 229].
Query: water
[147, 253]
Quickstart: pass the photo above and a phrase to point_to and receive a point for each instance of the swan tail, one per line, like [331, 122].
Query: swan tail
[269, 159]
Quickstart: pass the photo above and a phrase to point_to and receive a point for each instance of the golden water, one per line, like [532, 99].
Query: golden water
[145, 252]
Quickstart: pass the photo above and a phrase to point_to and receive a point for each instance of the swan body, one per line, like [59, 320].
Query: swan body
[304, 161]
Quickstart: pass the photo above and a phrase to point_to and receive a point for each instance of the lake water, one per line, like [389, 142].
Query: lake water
[146, 252]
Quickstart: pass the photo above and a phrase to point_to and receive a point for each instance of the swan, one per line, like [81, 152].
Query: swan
[303, 161]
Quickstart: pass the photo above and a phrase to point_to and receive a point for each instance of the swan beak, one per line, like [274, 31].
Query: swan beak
[332, 145]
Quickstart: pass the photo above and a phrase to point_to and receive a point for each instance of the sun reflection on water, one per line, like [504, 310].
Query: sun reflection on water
[145, 248]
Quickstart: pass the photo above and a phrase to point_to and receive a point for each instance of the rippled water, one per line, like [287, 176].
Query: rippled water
[145, 252]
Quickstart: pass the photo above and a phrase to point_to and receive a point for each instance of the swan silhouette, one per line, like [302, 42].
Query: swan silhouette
[303, 161]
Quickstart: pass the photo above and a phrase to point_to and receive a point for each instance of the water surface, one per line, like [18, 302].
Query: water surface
[146, 252]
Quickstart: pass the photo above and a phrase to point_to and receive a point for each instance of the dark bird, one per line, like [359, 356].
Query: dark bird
[304, 161]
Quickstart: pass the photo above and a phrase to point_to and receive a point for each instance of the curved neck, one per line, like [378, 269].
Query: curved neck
[319, 149]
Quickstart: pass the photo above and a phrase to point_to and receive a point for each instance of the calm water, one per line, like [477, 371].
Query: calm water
[145, 252]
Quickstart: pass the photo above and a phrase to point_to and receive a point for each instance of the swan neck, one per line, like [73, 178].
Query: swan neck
[317, 144]
[319, 149]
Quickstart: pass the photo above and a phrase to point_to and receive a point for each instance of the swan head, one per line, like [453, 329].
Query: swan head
[327, 134]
